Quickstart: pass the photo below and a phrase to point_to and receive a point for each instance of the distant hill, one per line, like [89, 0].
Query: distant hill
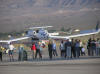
[16, 15]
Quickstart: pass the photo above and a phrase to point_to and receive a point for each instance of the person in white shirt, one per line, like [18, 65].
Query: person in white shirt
[83, 51]
[11, 49]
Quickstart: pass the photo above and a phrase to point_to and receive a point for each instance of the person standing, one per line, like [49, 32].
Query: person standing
[21, 49]
[25, 56]
[77, 48]
[38, 50]
[22, 53]
[89, 46]
[68, 48]
[50, 46]
[33, 48]
[41, 47]
[98, 47]
[62, 50]
[80, 46]
[11, 52]
[93, 47]
[54, 49]
[73, 48]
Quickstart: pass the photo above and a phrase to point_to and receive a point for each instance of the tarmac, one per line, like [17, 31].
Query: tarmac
[83, 65]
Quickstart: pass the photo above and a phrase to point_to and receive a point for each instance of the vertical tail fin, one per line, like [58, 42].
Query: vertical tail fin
[97, 26]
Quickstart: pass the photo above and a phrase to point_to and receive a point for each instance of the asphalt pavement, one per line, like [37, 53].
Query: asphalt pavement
[83, 65]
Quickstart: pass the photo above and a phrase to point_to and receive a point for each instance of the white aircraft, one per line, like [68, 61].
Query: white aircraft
[43, 34]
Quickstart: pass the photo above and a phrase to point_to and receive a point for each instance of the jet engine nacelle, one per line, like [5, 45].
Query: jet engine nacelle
[31, 33]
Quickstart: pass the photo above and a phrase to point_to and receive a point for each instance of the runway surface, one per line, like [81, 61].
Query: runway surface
[61, 66]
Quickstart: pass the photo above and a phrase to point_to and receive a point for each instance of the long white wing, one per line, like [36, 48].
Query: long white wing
[17, 39]
[78, 35]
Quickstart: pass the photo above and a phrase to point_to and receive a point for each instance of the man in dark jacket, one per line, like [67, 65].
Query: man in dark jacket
[89, 46]
[73, 48]
[68, 48]
[50, 46]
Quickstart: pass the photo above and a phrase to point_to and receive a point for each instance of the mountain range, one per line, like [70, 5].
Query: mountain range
[16, 15]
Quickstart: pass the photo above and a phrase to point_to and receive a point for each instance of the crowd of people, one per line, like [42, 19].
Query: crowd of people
[93, 47]
[68, 49]
[75, 48]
